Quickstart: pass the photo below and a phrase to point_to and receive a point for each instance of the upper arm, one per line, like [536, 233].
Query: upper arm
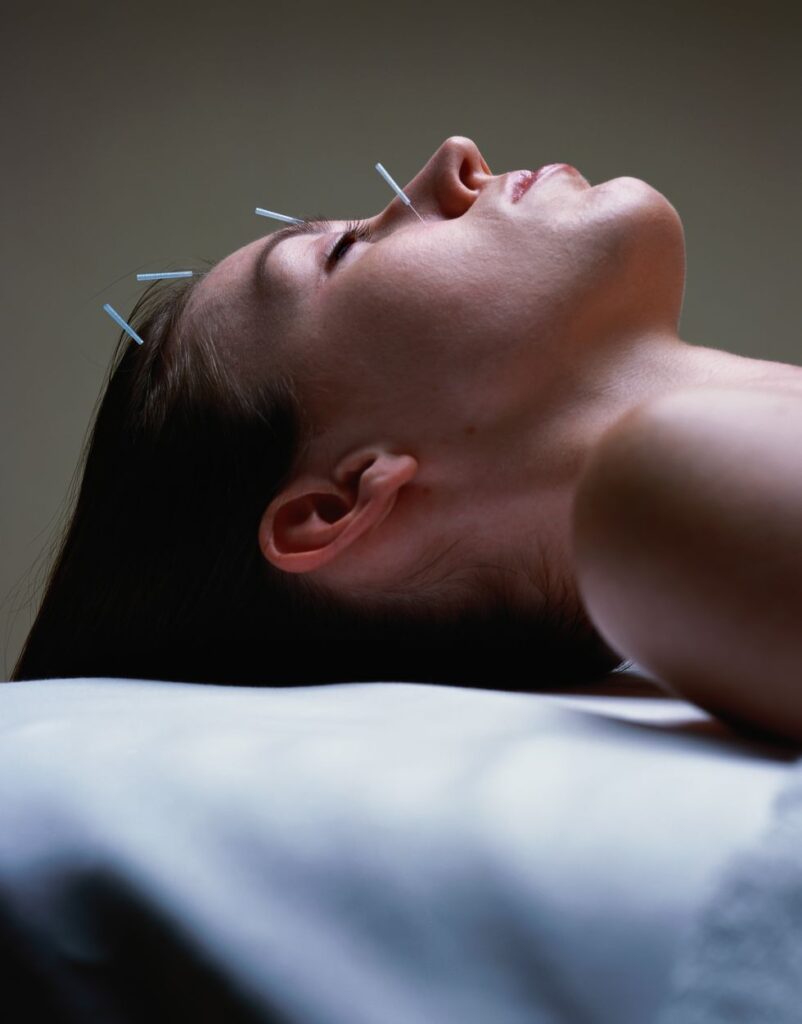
[687, 536]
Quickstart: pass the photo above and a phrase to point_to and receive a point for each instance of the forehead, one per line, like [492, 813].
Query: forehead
[234, 273]
[252, 306]
[229, 289]
[247, 273]
[225, 302]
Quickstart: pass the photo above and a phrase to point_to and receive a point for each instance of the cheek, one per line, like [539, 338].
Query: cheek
[480, 296]
[428, 338]
[420, 300]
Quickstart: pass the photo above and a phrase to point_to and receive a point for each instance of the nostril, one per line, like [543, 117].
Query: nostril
[472, 175]
[472, 155]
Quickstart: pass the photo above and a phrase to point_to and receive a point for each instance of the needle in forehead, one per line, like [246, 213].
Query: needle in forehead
[398, 191]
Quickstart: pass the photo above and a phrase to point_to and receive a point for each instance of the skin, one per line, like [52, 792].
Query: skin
[688, 549]
[462, 370]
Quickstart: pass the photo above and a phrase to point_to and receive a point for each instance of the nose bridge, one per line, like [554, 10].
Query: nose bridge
[449, 181]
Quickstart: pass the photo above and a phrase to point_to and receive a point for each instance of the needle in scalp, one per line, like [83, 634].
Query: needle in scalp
[125, 326]
[164, 275]
[398, 191]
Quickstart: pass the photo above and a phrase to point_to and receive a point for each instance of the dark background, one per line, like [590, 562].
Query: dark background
[141, 136]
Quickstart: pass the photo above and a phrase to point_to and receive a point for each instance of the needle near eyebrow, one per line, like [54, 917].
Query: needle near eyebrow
[277, 216]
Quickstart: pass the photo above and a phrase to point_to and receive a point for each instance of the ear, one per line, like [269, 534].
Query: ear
[315, 518]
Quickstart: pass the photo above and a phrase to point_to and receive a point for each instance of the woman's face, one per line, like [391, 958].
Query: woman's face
[481, 339]
[495, 304]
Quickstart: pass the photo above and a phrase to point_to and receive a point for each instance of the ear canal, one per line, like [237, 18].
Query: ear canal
[330, 508]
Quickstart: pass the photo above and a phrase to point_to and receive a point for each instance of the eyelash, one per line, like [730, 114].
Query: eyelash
[356, 231]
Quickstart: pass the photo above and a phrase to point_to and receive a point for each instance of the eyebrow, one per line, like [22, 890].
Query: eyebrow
[308, 226]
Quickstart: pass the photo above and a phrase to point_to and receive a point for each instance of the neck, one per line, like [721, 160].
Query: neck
[619, 379]
[615, 381]
[616, 378]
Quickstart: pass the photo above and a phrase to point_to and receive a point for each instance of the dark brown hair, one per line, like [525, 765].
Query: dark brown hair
[158, 574]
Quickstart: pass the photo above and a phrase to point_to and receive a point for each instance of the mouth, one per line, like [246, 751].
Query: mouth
[522, 181]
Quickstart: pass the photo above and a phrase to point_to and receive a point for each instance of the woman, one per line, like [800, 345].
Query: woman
[361, 451]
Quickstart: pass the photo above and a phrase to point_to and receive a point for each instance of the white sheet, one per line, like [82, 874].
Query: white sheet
[383, 853]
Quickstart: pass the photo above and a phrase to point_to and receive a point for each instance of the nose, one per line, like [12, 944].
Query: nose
[449, 182]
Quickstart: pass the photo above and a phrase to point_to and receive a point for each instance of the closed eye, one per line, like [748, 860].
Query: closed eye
[357, 231]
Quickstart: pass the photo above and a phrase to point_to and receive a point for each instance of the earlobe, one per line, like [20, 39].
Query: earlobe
[315, 519]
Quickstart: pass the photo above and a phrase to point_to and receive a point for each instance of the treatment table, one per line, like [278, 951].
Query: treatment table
[372, 853]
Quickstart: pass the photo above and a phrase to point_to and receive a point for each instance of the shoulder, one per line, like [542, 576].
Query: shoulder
[726, 405]
[745, 434]
[687, 537]
[691, 467]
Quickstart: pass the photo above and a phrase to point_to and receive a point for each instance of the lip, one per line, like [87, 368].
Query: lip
[522, 181]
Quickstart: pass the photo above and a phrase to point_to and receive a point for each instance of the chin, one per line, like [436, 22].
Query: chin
[638, 247]
[638, 201]
[650, 228]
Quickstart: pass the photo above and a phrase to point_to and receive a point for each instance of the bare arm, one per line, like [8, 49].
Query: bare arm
[688, 545]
